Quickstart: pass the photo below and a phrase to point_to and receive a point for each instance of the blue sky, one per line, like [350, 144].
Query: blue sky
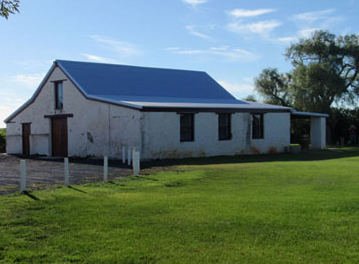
[231, 40]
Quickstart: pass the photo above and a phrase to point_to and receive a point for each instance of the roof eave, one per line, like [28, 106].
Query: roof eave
[212, 109]
[308, 114]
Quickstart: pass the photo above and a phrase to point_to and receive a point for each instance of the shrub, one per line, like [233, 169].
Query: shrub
[2, 140]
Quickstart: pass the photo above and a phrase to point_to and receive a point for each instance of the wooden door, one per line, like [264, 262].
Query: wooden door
[59, 136]
[26, 131]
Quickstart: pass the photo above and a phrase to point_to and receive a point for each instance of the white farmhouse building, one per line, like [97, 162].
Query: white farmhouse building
[92, 109]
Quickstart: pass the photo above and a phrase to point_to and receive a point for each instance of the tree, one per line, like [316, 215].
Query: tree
[274, 87]
[250, 98]
[326, 70]
[8, 7]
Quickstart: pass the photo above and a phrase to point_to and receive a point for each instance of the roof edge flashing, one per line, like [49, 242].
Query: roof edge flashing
[309, 114]
[134, 66]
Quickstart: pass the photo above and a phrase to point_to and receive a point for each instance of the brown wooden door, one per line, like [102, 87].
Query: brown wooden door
[26, 131]
[59, 136]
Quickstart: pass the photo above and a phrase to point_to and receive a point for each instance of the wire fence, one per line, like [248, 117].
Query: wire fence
[36, 173]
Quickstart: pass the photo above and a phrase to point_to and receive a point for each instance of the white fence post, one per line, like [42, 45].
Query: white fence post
[136, 162]
[123, 155]
[23, 175]
[129, 156]
[105, 169]
[67, 172]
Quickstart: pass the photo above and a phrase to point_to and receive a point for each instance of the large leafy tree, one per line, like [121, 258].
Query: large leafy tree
[8, 7]
[274, 87]
[326, 70]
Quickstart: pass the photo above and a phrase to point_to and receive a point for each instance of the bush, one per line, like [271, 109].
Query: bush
[343, 118]
[2, 140]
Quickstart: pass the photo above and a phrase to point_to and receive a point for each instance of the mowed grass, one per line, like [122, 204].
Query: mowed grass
[268, 209]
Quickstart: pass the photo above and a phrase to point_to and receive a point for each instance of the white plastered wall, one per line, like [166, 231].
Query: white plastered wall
[276, 134]
[318, 132]
[96, 128]
[161, 135]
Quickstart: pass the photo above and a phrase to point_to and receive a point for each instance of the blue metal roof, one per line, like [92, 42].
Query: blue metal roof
[143, 87]
[130, 81]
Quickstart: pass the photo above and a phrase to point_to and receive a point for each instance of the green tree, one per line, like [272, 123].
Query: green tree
[250, 98]
[274, 87]
[326, 70]
[8, 7]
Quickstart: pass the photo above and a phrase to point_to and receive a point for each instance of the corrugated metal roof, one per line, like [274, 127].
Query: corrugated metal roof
[142, 87]
[122, 80]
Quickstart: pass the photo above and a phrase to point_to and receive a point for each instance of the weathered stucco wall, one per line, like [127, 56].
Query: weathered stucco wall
[96, 128]
[13, 141]
[161, 137]
[318, 132]
[276, 134]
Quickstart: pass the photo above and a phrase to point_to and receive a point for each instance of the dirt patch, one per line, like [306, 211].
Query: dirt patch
[43, 172]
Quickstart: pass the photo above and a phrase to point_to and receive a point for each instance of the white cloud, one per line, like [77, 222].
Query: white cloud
[248, 79]
[309, 22]
[262, 28]
[221, 48]
[233, 54]
[123, 49]
[310, 17]
[9, 102]
[5, 112]
[325, 19]
[240, 13]
[238, 89]
[194, 32]
[287, 40]
[303, 33]
[96, 58]
[194, 2]
[307, 32]
[172, 48]
[27, 80]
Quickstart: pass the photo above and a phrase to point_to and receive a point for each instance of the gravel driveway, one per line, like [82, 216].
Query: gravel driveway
[44, 171]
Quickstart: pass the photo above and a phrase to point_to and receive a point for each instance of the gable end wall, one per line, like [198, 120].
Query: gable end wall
[96, 128]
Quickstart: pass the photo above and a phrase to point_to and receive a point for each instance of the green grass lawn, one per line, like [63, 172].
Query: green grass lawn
[267, 209]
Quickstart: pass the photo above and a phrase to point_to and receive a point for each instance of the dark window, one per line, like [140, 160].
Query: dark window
[187, 127]
[224, 127]
[59, 103]
[257, 126]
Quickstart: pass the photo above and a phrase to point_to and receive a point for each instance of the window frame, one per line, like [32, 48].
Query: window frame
[255, 127]
[187, 130]
[59, 104]
[227, 128]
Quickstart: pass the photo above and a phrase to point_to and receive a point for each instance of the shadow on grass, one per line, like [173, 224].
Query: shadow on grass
[30, 195]
[112, 182]
[309, 155]
[73, 188]
[145, 178]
